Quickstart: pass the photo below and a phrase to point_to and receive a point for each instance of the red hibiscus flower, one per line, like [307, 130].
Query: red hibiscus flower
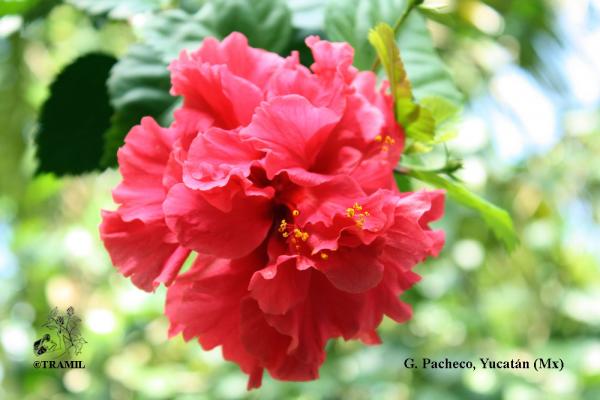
[280, 179]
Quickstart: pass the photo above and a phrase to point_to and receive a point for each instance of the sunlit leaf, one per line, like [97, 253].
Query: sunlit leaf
[496, 218]
[351, 21]
[16, 6]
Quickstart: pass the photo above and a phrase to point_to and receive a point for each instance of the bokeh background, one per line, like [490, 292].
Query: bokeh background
[530, 139]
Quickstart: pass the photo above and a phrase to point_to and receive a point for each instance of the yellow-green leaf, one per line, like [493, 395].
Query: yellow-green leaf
[496, 218]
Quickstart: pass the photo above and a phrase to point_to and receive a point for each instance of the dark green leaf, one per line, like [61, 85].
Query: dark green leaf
[139, 83]
[139, 86]
[351, 21]
[496, 218]
[266, 23]
[75, 116]
[172, 31]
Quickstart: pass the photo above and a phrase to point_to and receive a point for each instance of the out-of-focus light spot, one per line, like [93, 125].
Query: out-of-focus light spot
[350, 369]
[485, 18]
[527, 121]
[10, 24]
[584, 81]
[78, 242]
[437, 281]
[158, 386]
[468, 254]
[139, 20]
[481, 381]
[540, 234]
[440, 5]
[138, 353]
[491, 55]
[8, 261]
[212, 357]
[432, 320]
[23, 312]
[561, 383]
[100, 320]
[16, 340]
[231, 386]
[582, 234]
[472, 135]
[509, 140]
[473, 172]
[551, 293]
[76, 380]
[307, 14]
[582, 122]
[156, 331]
[131, 299]
[527, 201]
[591, 359]
[61, 292]
[519, 391]
[583, 306]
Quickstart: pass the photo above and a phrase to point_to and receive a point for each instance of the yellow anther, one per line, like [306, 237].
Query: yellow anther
[295, 213]
[385, 148]
[366, 214]
[282, 226]
[360, 223]
[285, 234]
[389, 140]
[304, 236]
[350, 212]
[324, 256]
[378, 138]
[297, 233]
[357, 207]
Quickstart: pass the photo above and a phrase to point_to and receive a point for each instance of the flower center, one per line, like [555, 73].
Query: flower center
[292, 233]
[297, 237]
[386, 141]
[356, 212]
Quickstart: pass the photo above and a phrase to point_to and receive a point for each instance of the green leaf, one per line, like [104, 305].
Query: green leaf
[351, 21]
[445, 114]
[496, 218]
[266, 23]
[16, 6]
[383, 40]
[139, 86]
[140, 82]
[171, 31]
[421, 126]
[118, 9]
[418, 122]
[75, 116]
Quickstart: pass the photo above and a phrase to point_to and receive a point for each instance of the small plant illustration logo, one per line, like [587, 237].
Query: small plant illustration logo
[63, 339]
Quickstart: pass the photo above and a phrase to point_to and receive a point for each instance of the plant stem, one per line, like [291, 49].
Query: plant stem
[411, 4]
[448, 169]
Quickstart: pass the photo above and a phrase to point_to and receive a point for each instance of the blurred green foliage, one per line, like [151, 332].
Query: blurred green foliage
[475, 300]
